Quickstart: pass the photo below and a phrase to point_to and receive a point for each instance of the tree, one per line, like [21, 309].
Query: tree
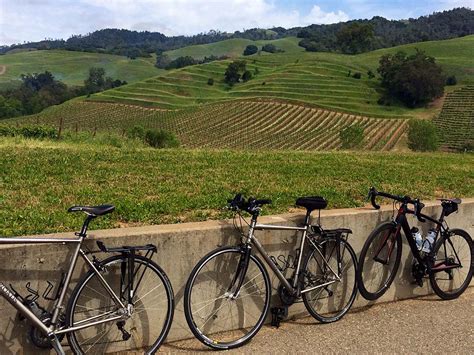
[96, 80]
[355, 38]
[270, 48]
[162, 61]
[250, 49]
[246, 76]
[233, 72]
[414, 79]
[10, 107]
[422, 136]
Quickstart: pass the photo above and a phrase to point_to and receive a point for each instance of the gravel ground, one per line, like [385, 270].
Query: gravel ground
[422, 325]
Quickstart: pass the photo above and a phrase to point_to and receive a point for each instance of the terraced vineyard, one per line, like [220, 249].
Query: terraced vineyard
[456, 121]
[237, 124]
[321, 83]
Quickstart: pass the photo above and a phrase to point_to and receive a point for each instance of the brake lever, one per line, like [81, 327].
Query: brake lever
[418, 207]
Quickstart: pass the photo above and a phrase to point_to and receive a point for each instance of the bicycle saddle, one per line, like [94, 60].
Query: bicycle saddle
[457, 201]
[93, 210]
[312, 202]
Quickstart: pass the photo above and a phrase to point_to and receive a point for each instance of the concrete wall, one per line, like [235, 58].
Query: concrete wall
[180, 246]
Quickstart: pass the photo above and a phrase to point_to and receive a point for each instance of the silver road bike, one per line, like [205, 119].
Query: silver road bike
[228, 293]
[121, 303]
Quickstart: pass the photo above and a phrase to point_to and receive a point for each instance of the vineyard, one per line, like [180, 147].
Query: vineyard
[300, 79]
[456, 121]
[237, 124]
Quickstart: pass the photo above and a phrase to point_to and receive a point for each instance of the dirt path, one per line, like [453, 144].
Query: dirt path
[3, 69]
[423, 325]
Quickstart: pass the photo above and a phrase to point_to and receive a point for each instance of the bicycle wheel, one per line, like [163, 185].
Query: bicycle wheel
[453, 265]
[379, 261]
[151, 313]
[329, 303]
[215, 314]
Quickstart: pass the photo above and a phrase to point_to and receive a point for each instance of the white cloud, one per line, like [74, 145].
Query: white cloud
[318, 16]
[35, 20]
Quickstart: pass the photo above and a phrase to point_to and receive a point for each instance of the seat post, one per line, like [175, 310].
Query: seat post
[307, 217]
[85, 225]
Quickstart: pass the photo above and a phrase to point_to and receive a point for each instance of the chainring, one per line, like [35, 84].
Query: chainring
[286, 297]
[38, 338]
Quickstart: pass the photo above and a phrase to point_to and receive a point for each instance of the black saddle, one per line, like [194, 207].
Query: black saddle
[450, 205]
[312, 203]
[93, 210]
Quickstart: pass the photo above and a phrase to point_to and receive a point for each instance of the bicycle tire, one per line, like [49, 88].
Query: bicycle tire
[362, 282]
[444, 245]
[316, 305]
[142, 323]
[217, 283]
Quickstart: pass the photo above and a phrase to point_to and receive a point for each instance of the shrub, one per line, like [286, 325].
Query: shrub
[451, 80]
[247, 75]
[7, 131]
[136, 132]
[357, 75]
[210, 81]
[352, 136]
[270, 48]
[161, 139]
[370, 74]
[422, 136]
[250, 49]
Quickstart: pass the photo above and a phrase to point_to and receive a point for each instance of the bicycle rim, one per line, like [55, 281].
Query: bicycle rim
[453, 265]
[379, 261]
[330, 303]
[216, 315]
[149, 322]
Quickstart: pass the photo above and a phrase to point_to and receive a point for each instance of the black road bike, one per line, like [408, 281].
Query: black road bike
[448, 262]
[124, 302]
[228, 293]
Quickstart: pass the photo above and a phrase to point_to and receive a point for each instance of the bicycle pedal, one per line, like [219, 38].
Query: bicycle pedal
[278, 314]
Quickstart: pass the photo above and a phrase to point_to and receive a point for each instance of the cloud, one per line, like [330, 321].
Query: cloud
[33, 20]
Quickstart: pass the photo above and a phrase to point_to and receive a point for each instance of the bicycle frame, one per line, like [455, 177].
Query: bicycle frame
[53, 330]
[251, 239]
[401, 222]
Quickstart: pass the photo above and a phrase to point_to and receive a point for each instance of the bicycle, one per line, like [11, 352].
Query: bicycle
[227, 295]
[446, 259]
[123, 302]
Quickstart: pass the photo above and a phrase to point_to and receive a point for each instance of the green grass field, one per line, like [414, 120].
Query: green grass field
[234, 48]
[41, 179]
[72, 68]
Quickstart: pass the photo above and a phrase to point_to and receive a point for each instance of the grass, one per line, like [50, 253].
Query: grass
[233, 48]
[73, 67]
[41, 179]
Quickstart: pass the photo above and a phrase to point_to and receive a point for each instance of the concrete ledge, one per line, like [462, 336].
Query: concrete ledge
[180, 246]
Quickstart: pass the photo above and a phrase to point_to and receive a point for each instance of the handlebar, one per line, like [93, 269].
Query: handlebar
[251, 205]
[418, 205]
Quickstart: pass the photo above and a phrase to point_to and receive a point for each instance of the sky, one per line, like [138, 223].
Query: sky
[34, 20]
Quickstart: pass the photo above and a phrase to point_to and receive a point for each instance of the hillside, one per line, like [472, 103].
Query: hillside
[233, 47]
[239, 124]
[73, 67]
[456, 120]
[296, 100]
[41, 179]
[319, 79]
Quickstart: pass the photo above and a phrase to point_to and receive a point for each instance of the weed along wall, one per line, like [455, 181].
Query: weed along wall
[180, 246]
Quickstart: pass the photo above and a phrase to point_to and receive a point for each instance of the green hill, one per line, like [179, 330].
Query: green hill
[296, 100]
[233, 47]
[73, 67]
[319, 79]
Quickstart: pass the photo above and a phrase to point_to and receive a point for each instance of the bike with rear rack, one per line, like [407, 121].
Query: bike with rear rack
[124, 302]
[445, 256]
[227, 295]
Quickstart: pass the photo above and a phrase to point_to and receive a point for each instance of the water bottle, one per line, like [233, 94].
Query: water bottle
[429, 241]
[418, 238]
